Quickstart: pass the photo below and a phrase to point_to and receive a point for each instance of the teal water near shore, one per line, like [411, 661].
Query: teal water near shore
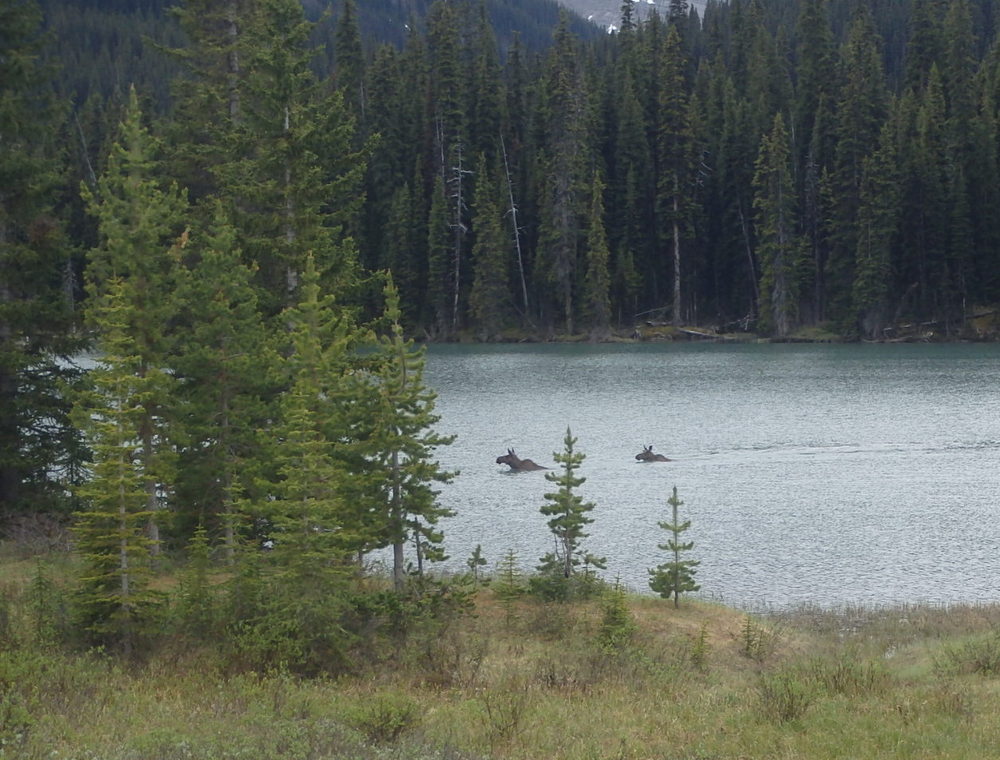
[822, 474]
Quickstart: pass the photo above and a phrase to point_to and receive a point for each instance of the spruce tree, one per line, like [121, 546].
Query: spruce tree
[317, 529]
[351, 60]
[676, 576]
[859, 113]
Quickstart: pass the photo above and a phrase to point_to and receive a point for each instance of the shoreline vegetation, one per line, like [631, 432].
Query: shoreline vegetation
[983, 326]
[517, 677]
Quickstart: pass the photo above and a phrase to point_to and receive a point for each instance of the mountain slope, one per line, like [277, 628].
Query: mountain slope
[607, 13]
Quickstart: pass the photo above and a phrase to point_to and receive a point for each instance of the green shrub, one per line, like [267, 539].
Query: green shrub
[783, 696]
[978, 655]
[617, 623]
[385, 718]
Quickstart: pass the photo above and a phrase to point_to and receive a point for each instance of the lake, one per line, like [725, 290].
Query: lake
[822, 474]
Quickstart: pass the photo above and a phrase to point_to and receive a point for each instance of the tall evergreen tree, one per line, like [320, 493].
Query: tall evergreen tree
[399, 408]
[860, 111]
[114, 602]
[566, 136]
[351, 60]
[779, 246]
[291, 172]
[674, 161]
[139, 223]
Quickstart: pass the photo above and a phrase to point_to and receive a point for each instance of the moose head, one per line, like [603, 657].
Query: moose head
[517, 464]
[647, 455]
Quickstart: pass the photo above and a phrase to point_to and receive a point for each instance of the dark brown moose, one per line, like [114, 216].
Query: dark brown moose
[517, 464]
[647, 455]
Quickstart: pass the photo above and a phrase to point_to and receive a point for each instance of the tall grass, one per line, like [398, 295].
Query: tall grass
[524, 679]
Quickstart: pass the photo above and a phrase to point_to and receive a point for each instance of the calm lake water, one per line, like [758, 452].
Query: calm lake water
[821, 474]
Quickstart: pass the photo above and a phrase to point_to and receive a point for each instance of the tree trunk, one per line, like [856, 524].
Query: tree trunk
[677, 262]
[398, 575]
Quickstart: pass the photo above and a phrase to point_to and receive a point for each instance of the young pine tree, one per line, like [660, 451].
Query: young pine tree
[569, 515]
[676, 576]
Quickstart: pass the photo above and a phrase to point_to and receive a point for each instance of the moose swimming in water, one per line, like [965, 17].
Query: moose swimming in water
[517, 464]
[647, 455]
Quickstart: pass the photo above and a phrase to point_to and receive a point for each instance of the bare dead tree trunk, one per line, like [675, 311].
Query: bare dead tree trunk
[750, 261]
[398, 576]
[459, 229]
[677, 260]
[514, 224]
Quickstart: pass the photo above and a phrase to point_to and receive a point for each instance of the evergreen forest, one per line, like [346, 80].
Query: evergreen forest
[245, 212]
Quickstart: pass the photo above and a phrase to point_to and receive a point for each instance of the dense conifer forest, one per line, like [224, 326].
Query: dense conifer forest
[245, 216]
[770, 167]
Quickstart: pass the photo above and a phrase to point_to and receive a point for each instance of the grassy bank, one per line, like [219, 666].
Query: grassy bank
[526, 679]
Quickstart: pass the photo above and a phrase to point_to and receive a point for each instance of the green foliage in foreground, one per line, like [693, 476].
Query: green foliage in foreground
[618, 676]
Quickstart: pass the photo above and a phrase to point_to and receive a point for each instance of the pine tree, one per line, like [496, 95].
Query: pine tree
[210, 99]
[779, 246]
[139, 224]
[451, 145]
[398, 410]
[674, 161]
[566, 136]
[438, 271]
[290, 172]
[317, 529]
[676, 576]
[569, 515]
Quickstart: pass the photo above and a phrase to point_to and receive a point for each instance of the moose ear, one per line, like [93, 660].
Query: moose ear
[510, 451]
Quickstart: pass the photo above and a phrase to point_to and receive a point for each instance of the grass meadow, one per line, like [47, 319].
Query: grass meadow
[522, 679]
